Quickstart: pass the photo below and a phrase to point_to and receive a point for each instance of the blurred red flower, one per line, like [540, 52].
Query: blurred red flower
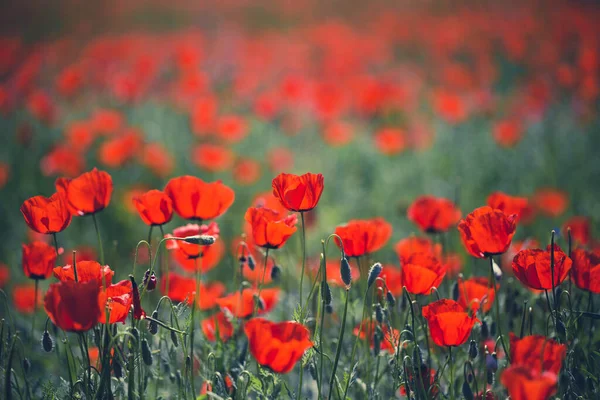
[39, 259]
[510, 205]
[69, 81]
[298, 192]
[586, 270]
[73, 306]
[182, 288]
[269, 230]
[360, 237]
[507, 133]
[474, 293]
[390, 141]
[4, 274]
[388, 342]
[203, 116]
[538, 353]
[86, 271]
[41, 106]
[231, 128]
[337, 134]
[523, 384]
[413, 244]
[89, 193]
[449, 323]
[24, 298]
[241, 305]
[551, 202]
[533, 267]
[486, 232]
[188, 249]
[157, 158]
[433, 214]
[581, 230]
[217, 323]
[246, 171]
[154, 207]
[213, 157]
[421, 272]
[62, 160]
[195, 199]
[118, 150]
[277, 346]
[4, 174]
[47, 214]
[79, 135]
[107, 122]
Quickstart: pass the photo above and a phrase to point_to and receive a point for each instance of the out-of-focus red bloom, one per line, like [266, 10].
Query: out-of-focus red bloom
[586, 270]
[449, 323]
[182, 288]
[79, 136]
[511, 205]
[266, 106]
[449, 106]
[255, 276]
[89, 193]
[211, 256]
[24, 298]
[428, 379]
[242, 305]
[231, 128]
[433, 214]
[203, 116]
[551, 202]
[474, 293]
[486, 232]
[277, 346]
[581, 231]
[39, 259]
[47, 214]
[157, 158]
[280, 159]
[4, 274]
[62, 160]
[360, 237]
[298, 192]
[107, 122]
[73, 306]
[246, 171]
[192, 250]
[118, 150]
[195, 199]
[86, 271]
[213, 157]
[413, 244]
[269, 230]
[421, 272]
[337, 134]
[453, 264]
[538, 353]
[4, 174]
[507, 133]
[117, 301]
[524, 384]
[390, 141]
[533, 267]
[268, 200]
[82, 253]
[41, 106]
[389, 341]
[154, 207]
[69, 81]
[218, 322]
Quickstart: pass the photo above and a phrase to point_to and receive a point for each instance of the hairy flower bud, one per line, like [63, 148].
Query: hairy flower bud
[345, 272]
[373, 274]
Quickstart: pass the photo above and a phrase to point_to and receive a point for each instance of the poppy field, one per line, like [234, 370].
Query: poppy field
[311, 200]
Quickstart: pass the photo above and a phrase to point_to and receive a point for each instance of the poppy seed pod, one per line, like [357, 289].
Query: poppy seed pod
[389, 297]
[373, 274]
[345, 271]
[473, 351]
[275, 272]
[174, 339]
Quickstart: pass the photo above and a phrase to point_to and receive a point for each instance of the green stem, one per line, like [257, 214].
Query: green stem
[451, 372]
[196, 303]
[497, 307]
[303, 264]
[166, 269]
[261, 283]
[99, 242]
[338, 351]
[364, 307]
[35, 307]
[55, 243]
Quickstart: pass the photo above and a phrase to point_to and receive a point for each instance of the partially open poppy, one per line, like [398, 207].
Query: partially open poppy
[449, 323]
[538, 353]
[533, 267]
[298, 192]
[360, 237]
[421, 272]
[24, 298]
[242, 305]
[475, 292]
[586, 270]
[46, 214]
[154, 207]
[117, 300]
[389, 339]
[195, 199]
[217, 323]
[486, 232]
[581, 230]
[433, 214]
[86, 271]
[192, 250]
[39, 259]
[523, 384]
[73, 306]
[510, 205]
[269, 230]
[89, 193]
[277, 346]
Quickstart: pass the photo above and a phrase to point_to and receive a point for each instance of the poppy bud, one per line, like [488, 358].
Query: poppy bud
[373, 274]
[473, 351]
[485, 332]
[117, 369]
[497, 271]
[136, 334]
[455, 291]
[146, 353]
[47, 342]
[312, 369]
[326, 293]
[97, 336]
[251, 263]
[242, 259]
[490, 377]
[328, 309]
[153, 325]
[493, 328]
[138, 311]
[26, 365]
[376, 344]
[174, 339]
[491, 362]
[188, 363]
[146, 277]
[345, 272]
[151, 285]
[203, 240]
[275, 272]
[389, 297]
[378, 313]
[466, 391]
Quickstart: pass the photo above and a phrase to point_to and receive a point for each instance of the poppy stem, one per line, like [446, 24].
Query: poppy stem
[552, 273]
[35, 304]
[261, 283]
[100, 247]
[338, 351]
[195, 304]
[166, 268]
[150, 244]
[451, 372]
[303, 264]
[55, 243]
[75, 267]
[497, 307]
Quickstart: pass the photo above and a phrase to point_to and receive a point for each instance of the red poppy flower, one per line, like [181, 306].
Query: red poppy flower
[586, 270]
[211, 256]
[192, 250]
[40, 105]
[449, 324]
[116, 151]
[195, 199]
[298, 193]
[24, 298]
[39, 259]
[117, 300]
[268, 200]
[433, 214]
[389, 342]
[360, 237]
[515, 247]
[453, 264]
[246, 171]
[486, 232]
[231, 128]
[4, 275]
[82, 253]
[421, 272]
[449, 106]
[475, 292]
[580, 229]
[532, 267]
[338, 134]
[242, 306]
[213, 157]
[390, 141]
[69, 81]
[280, 159]
[89, 193]
[268, 229]
[62, 160]
[408, 246]
[86, 271]
[157, 158]
[107, 122]
[203, 115]
[79, 135]
[4, 174]
[538, 353]
[523, 384]
[256, 275]
[154, 207]
[73, 306]
[277, 346]
[507, 133]
[392, 277]
[551, 202]
[510, 205]
[218, 322]
[182, 288]
[46, 215]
